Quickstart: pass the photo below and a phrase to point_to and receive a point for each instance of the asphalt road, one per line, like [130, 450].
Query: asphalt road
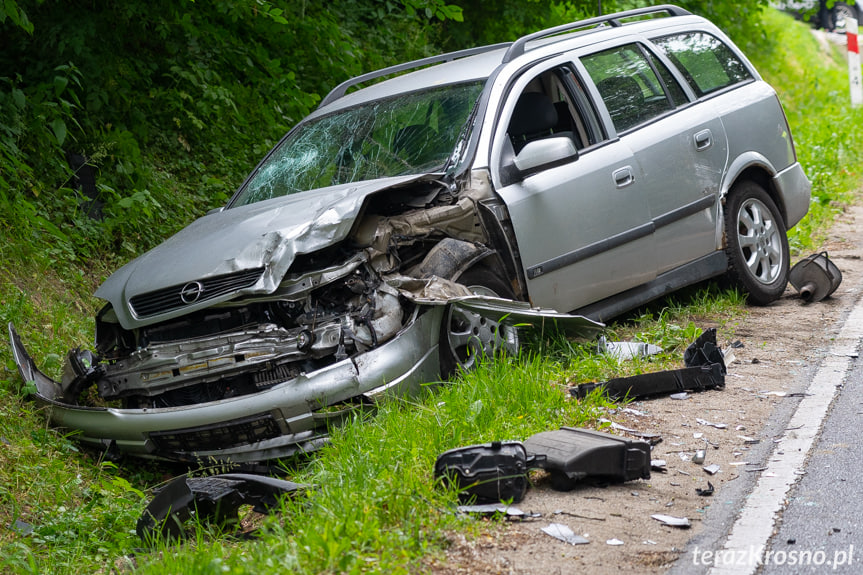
[822, 526]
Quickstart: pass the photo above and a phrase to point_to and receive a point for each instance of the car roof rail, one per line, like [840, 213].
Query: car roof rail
[342, 88]
[517, 48]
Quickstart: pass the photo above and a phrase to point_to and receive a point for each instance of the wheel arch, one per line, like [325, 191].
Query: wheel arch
[755, 168]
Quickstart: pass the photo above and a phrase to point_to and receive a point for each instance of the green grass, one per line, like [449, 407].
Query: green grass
[375, 507]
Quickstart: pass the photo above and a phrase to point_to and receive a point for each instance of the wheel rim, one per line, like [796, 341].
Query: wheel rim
[470, 335]
[760, 241]
[840, 15]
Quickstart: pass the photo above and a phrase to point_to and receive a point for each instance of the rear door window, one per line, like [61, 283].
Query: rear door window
[704, 60]
[629, 85]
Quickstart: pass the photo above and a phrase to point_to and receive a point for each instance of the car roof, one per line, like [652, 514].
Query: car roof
[478, 64]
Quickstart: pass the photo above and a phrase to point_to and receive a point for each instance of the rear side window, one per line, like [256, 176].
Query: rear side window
[628, 84]
[706, 62]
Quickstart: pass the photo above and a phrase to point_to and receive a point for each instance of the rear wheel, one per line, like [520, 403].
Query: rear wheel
[757, 246]
[466, 335]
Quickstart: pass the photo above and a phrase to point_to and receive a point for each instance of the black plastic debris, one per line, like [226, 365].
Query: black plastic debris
[492, 509]
[705, 492]
[815, 277]
[571, 455]
[213, 499]
[705, 369]
[489, 472]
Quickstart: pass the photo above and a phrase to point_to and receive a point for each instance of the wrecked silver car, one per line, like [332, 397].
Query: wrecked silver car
[406, 227]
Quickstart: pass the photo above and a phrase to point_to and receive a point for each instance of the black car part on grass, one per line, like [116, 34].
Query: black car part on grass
[498, 471]
[489, 472]
[571, 455]
[213, 499]
[705, 369]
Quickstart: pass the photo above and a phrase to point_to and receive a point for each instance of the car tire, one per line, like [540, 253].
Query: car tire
[756, 244]
[466, 336]
[841, 12]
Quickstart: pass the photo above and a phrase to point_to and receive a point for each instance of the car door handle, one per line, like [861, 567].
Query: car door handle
[703, 140]
[623, 177]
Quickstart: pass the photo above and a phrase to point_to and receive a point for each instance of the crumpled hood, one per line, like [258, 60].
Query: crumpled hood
[266, 234]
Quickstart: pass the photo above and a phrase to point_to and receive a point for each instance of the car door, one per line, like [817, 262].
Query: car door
[680, 147]
[582, 223]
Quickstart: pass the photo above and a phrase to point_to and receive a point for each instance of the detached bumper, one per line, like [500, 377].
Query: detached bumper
[277, 422]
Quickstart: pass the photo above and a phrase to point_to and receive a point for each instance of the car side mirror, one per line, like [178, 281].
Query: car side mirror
[543, 154]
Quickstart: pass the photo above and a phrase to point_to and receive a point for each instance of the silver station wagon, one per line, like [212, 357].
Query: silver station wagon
[408, 224]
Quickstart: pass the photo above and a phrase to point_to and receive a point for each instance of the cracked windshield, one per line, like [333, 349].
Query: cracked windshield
[408, 134]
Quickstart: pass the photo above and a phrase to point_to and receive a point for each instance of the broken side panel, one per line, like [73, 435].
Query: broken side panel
[494, 471]
[571, 455]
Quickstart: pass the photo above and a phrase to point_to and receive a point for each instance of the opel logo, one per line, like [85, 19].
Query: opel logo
[191, 292]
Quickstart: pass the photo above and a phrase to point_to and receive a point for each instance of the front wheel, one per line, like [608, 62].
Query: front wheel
[466, 335]
[756, 243]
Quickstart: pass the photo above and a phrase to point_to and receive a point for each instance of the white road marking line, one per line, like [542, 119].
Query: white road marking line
[754, 526]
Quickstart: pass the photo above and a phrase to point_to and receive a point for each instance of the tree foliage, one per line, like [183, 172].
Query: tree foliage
[173, 101]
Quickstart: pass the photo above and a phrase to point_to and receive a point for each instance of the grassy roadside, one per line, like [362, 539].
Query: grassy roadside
[375, 508]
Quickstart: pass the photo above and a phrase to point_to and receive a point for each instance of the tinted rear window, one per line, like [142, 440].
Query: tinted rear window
[706, 62]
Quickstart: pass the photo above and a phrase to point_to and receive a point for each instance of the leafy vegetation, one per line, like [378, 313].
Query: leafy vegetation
[172, 102]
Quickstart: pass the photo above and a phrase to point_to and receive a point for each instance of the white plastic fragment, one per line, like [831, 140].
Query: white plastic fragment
[564, 533]
[682, 522]
[711, 424]
[614, 542]
[712, 469]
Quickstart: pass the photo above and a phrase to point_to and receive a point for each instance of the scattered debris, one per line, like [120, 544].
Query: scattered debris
[489, 472]
[815, 277]
[682, 395]
[705, 492]
[564, 533]
[682, 522]
[496, 509]
[658, 465]
[712, 469]
[569, 513]
[710, 423]
[635, 432]
[626, 350]
[216, 498]
[614, 542]
[21, 527]
[699, 456]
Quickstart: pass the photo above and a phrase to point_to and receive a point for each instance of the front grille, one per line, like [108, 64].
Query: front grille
[170, 299]
[243, 431]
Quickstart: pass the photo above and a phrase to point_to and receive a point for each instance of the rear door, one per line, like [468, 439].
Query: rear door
[680, 147]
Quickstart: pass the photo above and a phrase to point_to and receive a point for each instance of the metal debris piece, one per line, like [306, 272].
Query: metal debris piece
[564, 533]
[815, 277]
[699, 456]
[614, 542]
[626, 350]
[682, 522]
[712, 469]
[216, 498]
[711, 424]
[705, 492]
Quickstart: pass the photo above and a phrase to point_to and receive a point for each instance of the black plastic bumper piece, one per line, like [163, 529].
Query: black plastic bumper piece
[571, 455]
[216, 498]
[705, 369]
